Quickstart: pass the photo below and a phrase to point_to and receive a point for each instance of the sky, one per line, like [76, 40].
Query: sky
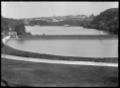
[19, 10]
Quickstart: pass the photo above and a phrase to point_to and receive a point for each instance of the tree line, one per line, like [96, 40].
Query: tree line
[15, 25]
[59, 23]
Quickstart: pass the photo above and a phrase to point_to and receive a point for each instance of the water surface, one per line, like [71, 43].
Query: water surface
[61, 30]
[84, 48]
[65, 47]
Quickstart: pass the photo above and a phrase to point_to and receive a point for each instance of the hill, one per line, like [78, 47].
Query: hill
[107, 20]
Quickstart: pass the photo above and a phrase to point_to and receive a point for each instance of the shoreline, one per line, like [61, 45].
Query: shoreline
[27, 55]
[5, 39]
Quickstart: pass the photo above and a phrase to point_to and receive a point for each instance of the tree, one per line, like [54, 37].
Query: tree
[107, 20]
[20, 29]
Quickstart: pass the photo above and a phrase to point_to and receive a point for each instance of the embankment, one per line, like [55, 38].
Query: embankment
[38, 57]
[102, 37]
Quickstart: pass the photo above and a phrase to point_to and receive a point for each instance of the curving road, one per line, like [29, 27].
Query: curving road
[39, 60]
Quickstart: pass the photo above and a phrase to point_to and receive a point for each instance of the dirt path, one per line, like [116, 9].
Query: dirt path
[38, 60]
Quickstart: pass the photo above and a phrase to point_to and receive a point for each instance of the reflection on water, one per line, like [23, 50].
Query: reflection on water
[85, 48]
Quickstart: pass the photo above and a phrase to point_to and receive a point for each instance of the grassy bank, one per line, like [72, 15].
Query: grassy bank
[11, 51]
[18, 73]
[30, 74]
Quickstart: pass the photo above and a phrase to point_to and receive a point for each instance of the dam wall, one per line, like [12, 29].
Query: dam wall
[72, 37]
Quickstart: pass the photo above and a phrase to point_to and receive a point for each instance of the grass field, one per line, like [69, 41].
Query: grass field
[56, 75]
[18, 73]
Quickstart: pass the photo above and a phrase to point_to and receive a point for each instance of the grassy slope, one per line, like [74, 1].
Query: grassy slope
[11, 51]
[41, 74]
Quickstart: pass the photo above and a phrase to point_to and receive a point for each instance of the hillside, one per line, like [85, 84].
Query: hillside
[107, 20]
[77, 20]
[15, 25]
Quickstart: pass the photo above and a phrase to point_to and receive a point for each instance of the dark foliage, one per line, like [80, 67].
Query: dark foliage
[60, 23]
[15, 25]
[107, 21]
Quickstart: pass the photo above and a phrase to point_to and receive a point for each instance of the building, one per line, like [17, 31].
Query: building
[55, 20]
[13, 34]
[26, 21]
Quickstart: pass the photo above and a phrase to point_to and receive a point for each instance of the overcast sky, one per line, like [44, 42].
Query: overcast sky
[40, 9]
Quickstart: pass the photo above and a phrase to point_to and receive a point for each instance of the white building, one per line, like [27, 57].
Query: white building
[13, 34]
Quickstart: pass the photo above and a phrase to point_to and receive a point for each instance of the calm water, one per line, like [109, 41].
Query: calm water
[61, 30]
[85, 48]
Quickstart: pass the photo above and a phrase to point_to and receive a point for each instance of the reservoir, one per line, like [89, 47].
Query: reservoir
[79, 48]
[67, 47]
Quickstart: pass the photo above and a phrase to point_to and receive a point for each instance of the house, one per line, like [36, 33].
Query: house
[13, 34]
